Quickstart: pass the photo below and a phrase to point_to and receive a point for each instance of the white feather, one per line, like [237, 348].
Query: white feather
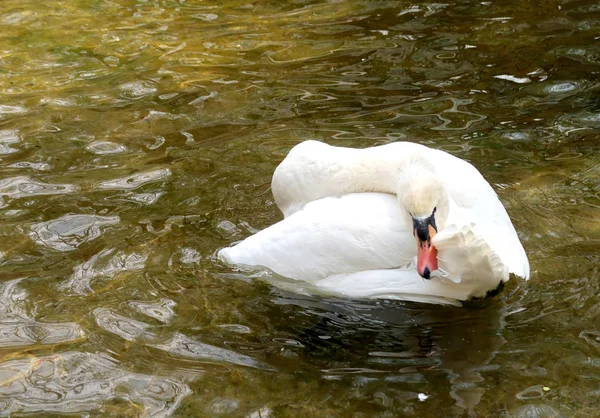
[347, 232]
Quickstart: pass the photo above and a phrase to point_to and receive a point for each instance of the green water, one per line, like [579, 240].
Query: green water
[139, 137]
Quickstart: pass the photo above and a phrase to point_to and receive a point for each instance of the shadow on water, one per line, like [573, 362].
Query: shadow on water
[402, 343]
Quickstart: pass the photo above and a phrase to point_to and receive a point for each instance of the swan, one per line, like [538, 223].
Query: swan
[396, 221]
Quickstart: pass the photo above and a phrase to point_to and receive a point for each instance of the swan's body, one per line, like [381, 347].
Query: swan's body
[348, 228]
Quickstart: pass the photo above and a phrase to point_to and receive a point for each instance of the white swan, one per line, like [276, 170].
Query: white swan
[356, 219]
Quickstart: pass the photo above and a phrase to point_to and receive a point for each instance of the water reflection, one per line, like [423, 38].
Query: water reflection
[404, 343]
[7, 138]
[137, 138]
[161, 310]
[19, 328]
[70, 231]
[22, 186]
[181, 345]
[105, 264]
[75, 382]
[127, 328]
[136, 180]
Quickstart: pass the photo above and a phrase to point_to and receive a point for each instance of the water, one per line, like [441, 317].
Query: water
[138, 137]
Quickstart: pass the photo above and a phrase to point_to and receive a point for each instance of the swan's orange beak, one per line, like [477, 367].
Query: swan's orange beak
[426, 253]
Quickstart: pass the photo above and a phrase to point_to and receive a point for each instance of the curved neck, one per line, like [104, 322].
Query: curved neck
[364, 172]
[314, 170]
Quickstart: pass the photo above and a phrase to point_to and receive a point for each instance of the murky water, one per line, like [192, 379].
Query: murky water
[138, 137]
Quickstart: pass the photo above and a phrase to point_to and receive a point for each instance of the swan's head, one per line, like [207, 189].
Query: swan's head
[425, 201]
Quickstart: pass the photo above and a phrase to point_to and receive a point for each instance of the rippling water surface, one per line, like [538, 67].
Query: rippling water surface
[137, 137]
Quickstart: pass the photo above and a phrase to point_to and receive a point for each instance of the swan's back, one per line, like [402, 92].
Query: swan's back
[331, 236]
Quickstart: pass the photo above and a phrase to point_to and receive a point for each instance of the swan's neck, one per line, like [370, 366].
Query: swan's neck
[315, 170]
[365, 173]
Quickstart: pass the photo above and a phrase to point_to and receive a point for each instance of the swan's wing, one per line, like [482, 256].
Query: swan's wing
[357, 232]
[355, 246]
[469, 268]
[466, 259]
[475, 204]
[489, 221]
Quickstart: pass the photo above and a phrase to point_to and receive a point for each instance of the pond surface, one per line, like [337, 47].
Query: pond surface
[139, 137]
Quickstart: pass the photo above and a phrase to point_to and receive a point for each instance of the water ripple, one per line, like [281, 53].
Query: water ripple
[536, 410]
[181, 345]
[76, 382]
[22, 186]
[591, 337]
[70, 231]
[161, 310]
[19, 328]
[136, 180]
[136, 89]
[33, 166]
[102, 265]
[12, 110]
[147, 120]
[532, 392]
[105, 147]
[127, 328]
[7, 138]
[146, 198]
[33, 333]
